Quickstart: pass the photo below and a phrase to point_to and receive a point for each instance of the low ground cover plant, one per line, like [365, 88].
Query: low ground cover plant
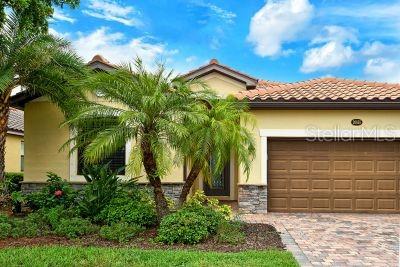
[121, 231]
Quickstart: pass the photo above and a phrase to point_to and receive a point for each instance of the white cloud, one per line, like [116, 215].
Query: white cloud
[116, 48]
[60, 15]
[337, 34]
[380, 49]
[383, 69]
[330, 55]
[276, 23]
[225, 15]
[191, 59]
[111, 11]
[64, 35]
[334, 51]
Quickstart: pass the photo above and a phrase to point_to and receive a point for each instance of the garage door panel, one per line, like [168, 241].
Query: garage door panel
[386, 166]
[364, 204]
[342, 165]
[321, 184]
[365, 185]
[320, 166]
[386, 204]
[334, 176]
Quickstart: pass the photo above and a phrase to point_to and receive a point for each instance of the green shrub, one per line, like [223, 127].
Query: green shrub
[183, 226]
[26, 228]
[4, 218]
[17, 199]
[74, 227]
[202, 206]
[230, 232]
[53, 216]
[130, 209]
[121, 232]
[56, 192]
[101, 189]
[12, 181]
[5, 230]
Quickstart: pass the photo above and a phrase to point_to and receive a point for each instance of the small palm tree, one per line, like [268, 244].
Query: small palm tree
[222, 132]
[149, 108]
[39, 63]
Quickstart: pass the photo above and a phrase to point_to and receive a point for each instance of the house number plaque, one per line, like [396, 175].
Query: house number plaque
[356, 122]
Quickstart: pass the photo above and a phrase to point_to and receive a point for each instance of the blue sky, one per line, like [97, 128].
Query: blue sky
[284, 40]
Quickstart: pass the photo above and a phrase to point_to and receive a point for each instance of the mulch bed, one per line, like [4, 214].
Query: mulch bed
[258, 237]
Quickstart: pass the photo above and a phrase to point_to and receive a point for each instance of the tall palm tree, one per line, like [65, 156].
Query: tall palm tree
[213, 140]
[149, 108]
[39, 63]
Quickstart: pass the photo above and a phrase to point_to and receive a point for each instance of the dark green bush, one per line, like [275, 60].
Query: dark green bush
[12, 181]
[4, 218]
[102, 187]
[56, 192]
[183, 226]
[136, 209]
[5, 230]
[17, 199]
[53, 216]
[27, 228]
[74, 227]
[121, 232]
[230, 232]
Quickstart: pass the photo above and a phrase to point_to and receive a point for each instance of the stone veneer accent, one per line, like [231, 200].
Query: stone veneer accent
[252, 198]
[30, 187]
[171, 190]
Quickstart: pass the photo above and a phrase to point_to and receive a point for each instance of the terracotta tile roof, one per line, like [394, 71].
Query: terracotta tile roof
[322, 89]
[101, 59]
[215, 62]
[16, 120]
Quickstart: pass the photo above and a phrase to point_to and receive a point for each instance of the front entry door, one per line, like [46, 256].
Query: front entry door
[220, 186]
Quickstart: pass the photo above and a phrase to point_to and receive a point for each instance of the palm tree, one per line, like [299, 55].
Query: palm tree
[149, 108]
[222, 132]
[39, 63]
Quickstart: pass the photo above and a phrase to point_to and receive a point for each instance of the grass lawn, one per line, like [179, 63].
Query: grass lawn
[96, 256]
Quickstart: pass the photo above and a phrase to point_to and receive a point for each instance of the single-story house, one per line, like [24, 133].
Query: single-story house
[323, 145]
[14, 158]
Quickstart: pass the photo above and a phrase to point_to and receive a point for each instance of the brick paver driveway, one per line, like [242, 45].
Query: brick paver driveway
[339, 239]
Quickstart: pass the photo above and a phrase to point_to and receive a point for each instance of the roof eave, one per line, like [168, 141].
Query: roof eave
[391, 105]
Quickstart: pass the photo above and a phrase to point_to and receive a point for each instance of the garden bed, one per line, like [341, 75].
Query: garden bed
[257, 237]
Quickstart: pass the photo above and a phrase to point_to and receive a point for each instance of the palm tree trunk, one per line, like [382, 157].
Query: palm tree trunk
[4, 110]
[192, 176]
[150, 166]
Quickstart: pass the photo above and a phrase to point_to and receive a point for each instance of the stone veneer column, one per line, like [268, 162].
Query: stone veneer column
[252, 198]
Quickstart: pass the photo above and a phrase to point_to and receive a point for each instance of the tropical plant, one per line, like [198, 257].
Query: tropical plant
[56, 192]
[39, 64]
[33, 14]
[149, 108]
[102, 186]
[212, 141]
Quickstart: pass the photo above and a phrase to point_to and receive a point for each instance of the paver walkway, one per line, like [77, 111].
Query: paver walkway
[327, 239]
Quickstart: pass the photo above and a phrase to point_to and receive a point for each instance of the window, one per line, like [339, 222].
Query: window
[115, 162]
[22, 153]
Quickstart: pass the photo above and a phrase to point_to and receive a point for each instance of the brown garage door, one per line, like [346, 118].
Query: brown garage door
[361, 176]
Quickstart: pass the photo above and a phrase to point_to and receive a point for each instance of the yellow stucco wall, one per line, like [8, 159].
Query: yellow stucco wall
[43, 139]
[13, 153]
